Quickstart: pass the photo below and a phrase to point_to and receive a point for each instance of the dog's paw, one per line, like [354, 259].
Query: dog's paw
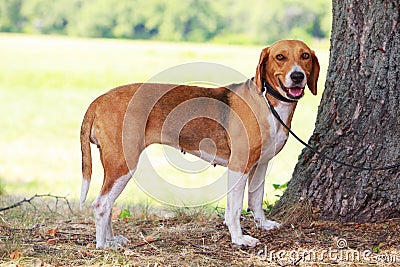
[121, 239]
[116, 242]
[245, 240]
[269, 225]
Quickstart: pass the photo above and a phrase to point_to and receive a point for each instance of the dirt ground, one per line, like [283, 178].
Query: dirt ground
[42, 235]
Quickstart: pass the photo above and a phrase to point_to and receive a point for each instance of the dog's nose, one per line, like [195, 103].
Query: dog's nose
[297, 77]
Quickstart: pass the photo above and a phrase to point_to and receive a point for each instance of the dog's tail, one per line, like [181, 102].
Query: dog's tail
[86, 130]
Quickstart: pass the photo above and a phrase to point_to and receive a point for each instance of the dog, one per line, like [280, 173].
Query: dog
[245, 135]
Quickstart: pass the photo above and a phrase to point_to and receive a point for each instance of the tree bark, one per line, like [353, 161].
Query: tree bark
[358, 121]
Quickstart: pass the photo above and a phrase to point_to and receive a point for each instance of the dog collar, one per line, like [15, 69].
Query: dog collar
[275, 94]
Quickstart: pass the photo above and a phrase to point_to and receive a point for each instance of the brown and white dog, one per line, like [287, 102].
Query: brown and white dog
[245, 135]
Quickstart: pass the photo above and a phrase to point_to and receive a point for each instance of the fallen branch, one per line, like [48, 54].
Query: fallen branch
[29, 200]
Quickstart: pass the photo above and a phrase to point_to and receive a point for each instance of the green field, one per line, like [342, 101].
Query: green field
[46, 84]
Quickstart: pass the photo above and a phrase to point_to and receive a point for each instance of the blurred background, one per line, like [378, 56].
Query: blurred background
[57, 56]
[224, 21]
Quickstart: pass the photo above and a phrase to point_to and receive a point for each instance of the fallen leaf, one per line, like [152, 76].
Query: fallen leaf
[152, 238]
[16, 254]
[149, 238]
[52, 232]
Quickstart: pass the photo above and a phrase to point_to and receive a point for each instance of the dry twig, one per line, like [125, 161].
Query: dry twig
[29, 200]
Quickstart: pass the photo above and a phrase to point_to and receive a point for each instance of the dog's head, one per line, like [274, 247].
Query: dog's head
[288, 65]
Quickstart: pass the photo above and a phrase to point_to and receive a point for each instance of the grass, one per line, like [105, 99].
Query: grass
[47, 233]
[46, 84]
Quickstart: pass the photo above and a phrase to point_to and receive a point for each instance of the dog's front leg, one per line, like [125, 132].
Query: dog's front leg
[236, 183]
[256, 194]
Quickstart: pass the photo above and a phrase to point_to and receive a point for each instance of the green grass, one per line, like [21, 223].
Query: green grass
[46, 84]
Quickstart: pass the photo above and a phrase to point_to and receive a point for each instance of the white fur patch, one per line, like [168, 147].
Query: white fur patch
[289, 82]
[84, 191]
[277, 133]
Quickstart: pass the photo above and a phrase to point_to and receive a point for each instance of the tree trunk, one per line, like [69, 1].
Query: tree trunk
[358, 121]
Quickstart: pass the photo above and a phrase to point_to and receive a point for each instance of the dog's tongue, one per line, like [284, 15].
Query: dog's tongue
[295, 91]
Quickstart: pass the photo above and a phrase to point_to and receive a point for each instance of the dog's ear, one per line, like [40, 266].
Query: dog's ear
[313, 79]
[260, 71]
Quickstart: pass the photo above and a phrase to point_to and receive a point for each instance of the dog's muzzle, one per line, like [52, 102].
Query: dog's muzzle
[295, 92]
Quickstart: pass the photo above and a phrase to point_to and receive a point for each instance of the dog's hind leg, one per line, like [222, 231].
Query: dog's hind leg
[102, 208]
[116, 176]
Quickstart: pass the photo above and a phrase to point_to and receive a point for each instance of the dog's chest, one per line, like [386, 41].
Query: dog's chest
[280, 139]
[278, 136]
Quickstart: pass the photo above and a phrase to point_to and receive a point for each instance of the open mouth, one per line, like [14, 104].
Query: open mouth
[295, 92]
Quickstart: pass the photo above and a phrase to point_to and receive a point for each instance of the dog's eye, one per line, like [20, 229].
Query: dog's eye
[280, 57]
[305, 56]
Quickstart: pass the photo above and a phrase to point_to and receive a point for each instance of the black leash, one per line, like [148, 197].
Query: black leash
[269, 89]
